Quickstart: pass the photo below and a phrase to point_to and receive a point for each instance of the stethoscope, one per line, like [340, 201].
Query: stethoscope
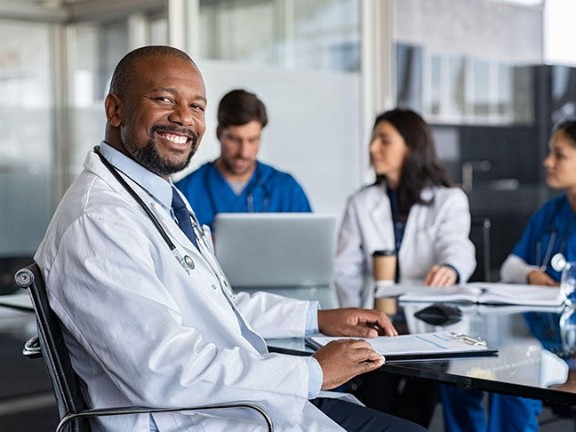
[558, 262]
[249, 194]
[185, 261]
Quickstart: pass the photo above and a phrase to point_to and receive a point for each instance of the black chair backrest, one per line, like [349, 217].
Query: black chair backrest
[480, 236]
[54, 352]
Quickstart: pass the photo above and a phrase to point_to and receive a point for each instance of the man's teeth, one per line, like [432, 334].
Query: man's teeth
[177, 139]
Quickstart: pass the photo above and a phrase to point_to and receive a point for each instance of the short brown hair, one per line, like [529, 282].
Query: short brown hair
[239, 107]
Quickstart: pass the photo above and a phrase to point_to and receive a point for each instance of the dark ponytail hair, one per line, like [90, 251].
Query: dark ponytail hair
[421, 168]
[569, 128]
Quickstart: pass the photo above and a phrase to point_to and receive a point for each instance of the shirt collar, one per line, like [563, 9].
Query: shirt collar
[158, 188]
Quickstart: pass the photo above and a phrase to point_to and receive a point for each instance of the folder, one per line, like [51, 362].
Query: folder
[436, 345]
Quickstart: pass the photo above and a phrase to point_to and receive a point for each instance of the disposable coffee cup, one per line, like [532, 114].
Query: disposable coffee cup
[384, 273]
[384, 266]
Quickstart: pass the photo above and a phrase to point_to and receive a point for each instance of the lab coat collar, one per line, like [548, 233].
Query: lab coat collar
[381, 212]
[160, 209]
[381, 215]
[154, 185]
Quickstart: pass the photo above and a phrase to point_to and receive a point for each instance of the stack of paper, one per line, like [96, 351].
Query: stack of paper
[489, 293]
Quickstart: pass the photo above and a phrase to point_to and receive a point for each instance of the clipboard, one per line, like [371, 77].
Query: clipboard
[421, 346]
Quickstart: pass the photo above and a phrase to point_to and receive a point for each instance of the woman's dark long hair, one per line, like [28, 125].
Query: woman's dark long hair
[568, 127]
[421, 168]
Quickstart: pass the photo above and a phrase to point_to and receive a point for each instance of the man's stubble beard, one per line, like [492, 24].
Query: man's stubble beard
[149, 158]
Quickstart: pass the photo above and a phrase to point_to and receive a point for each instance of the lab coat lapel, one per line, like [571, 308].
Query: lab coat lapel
[177, 236]
[184, 243]
[381, 216]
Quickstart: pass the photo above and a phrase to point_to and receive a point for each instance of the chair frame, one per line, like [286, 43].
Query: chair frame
[49, 344]
[485, 225]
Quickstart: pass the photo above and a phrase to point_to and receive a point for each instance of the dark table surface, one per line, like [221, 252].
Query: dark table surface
[537, 356]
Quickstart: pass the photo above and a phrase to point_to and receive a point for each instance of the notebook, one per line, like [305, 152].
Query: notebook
[276, 249]
[489, 293]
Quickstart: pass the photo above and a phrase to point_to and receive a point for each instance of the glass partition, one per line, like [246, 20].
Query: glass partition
[26, 143]
[302, 34]
[95, 48]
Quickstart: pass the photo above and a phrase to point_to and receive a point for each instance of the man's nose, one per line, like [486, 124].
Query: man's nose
[182, 115]
[243, 148]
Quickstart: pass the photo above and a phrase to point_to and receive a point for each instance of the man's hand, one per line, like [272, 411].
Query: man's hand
[440, 276]
[538, 277]
[342, 360]
[355, 322]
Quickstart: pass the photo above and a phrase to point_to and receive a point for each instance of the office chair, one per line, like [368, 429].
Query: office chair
[49, 344]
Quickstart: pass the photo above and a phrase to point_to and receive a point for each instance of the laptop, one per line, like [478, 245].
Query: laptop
[276, 249]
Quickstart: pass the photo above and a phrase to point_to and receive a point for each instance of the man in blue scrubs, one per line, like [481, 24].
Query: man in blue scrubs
[237, 181]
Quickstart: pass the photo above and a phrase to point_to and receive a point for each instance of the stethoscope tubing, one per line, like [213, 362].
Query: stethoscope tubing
[559, 257]
[198, 232]
[139, 200]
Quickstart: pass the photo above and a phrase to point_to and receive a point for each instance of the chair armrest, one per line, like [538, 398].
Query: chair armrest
[116, 411]
[32, 348]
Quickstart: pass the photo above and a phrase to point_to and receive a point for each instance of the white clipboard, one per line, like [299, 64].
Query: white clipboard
[443, 344]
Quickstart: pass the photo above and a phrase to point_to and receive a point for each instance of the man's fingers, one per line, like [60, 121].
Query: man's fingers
[342, 360]
[362, 352]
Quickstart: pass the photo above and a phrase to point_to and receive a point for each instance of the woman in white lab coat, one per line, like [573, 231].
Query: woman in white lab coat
[412, 210]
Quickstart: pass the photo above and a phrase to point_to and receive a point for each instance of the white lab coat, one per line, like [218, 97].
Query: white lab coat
[434, 234]
[143, 331]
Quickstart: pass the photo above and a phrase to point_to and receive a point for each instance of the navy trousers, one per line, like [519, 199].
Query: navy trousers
[356, 418]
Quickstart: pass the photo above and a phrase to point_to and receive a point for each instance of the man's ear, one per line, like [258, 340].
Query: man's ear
[113, 107]
[219, 132]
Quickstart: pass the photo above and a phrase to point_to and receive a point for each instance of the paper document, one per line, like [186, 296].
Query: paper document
[423, 345]
[489, 293]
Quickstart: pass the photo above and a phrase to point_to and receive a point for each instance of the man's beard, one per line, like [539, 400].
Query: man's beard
[149, 158]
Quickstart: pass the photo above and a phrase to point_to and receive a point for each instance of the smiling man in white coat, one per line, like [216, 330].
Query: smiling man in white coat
[148, 316]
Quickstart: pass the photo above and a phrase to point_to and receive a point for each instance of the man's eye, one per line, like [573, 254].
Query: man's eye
[197, 107]
[163, 99]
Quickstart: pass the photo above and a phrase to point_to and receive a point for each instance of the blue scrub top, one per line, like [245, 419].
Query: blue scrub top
[268, 190]
[553, 226]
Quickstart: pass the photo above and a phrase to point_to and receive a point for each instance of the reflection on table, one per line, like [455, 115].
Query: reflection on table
[537, 346]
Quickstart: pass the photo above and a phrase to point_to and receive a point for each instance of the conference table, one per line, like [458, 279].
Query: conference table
[536, 345]
[536, 348]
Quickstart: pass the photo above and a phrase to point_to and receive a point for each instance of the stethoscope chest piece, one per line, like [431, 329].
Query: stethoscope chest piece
[189, 262]
[558, 262]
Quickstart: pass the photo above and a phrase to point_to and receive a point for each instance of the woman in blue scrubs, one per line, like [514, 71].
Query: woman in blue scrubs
[548, 240]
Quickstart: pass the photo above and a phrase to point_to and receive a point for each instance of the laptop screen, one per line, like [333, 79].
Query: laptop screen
[276, 249]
